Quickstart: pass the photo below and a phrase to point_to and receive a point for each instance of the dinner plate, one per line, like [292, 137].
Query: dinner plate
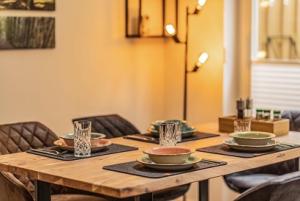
[190, 162]
[100, 145]
[251, 148]
[93, 135]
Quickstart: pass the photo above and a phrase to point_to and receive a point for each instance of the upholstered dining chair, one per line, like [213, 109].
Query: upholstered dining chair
[114, 125]
[245, 180]
[19, 137]
[282, 188]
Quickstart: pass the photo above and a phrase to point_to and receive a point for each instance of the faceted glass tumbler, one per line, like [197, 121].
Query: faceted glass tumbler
[82, 138]
[242, 125]
[169, 134]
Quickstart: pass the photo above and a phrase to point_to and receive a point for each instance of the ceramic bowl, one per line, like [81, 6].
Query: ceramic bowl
[183, 124]
[69, 138]
[184, 133]
[168, 155]
[252, 138]
[186, 130]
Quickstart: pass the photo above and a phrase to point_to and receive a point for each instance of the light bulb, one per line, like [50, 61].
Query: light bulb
[201, 3]
[170, 29]
[202, 58]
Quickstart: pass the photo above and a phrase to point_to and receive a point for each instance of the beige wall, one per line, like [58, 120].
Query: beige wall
[205, 87]
[93, 70]
[96, 70]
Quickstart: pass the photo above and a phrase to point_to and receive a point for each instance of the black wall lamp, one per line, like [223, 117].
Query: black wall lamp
[171, 31]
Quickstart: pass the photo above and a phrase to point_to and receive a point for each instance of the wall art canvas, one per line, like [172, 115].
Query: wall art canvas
[27, 32]
[48, 5]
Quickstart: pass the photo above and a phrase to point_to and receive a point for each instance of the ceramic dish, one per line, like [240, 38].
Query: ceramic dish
[189, 163]
[69, 138]
[169, 155]
[183, 124]
[252, 138]
[98, 145]
[185, 133]
[251, 148]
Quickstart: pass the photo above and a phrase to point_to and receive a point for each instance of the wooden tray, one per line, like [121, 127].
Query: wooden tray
[279, 127]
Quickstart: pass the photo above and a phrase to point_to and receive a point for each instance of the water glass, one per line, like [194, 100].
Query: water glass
[242, 125]
[169, 134]
[82, 138]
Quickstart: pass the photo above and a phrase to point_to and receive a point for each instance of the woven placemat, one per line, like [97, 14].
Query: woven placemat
[69, 156]
[196, 136]
[225, 150]
[135, 168]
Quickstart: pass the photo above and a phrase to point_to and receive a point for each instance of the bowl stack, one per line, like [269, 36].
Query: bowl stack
[169, 158]
[186, 129]
[251, 141]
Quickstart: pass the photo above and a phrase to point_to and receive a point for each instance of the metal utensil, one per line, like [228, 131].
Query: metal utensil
[49, 152]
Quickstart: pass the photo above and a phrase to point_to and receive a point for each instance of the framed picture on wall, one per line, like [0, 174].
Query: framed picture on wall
[27, 32]
[47, 5]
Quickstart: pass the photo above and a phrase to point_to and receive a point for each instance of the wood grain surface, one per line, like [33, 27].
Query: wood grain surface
[88, 175]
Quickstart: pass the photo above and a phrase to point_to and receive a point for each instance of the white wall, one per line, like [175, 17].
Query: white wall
[93, 70]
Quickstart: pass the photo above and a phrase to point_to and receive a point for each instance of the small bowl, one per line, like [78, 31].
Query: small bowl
[252, 138]
[69, 138]
[168, 155]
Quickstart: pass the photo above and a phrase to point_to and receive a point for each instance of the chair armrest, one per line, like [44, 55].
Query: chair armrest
[11, 189]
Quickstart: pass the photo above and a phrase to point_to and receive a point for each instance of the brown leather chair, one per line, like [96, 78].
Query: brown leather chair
[116, 126]
[282, 188]
[19, 137]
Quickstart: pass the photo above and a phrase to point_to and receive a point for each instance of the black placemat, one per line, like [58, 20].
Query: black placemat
[196, 136]
[135, 168]
[69, 156]
[225, 150]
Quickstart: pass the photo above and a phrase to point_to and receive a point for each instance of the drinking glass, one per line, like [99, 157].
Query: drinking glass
[242, 125]
[82, 138]
[169, 134]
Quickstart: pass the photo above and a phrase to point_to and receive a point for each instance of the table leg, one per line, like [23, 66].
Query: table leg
[42, 191]
[145, 197]
[203, 190]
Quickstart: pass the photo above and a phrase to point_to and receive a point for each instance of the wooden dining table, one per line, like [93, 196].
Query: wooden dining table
[89, 175]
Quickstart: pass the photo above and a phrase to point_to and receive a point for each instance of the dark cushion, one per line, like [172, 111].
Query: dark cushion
[233, 181]
[281, 188]
[294, 117]
[244, 182]
[112, 125]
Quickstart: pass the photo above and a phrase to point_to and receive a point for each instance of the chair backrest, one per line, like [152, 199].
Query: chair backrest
[111, 125]
[294, 117]
[19, 137]
[283, 188]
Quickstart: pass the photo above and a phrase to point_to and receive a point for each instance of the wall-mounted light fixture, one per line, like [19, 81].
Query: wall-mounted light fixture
[171, 31]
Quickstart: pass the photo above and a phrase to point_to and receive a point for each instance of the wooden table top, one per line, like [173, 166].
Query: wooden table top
[88, 175]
